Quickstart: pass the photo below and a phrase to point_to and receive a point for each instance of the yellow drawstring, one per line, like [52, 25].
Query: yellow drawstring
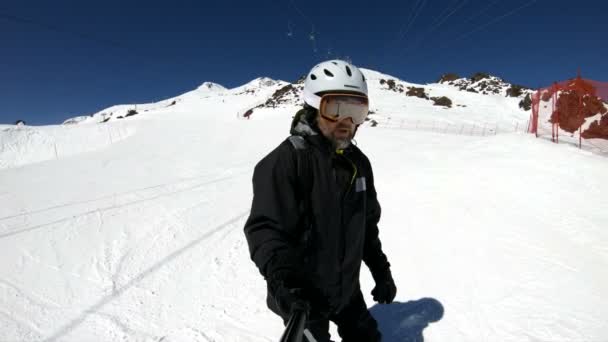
[341, 152]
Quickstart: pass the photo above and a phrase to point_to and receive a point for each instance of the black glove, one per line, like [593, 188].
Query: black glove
[290, 299]
[291, 292]
[385, 290]
[287, 290]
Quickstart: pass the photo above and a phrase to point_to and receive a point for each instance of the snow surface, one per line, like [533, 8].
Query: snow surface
[496, 238]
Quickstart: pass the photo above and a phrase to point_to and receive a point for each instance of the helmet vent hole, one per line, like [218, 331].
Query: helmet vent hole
[363, 76]
[313, 77]
[328, 73]
[334, 63]
[350, 73]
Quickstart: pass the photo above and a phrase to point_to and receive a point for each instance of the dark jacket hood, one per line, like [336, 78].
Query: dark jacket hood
[304, 123]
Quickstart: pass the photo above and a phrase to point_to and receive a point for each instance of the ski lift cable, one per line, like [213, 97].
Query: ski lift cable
[398, 38]
[416, 14]
[446, 9]
[313, 34]
[440, 22]
[293, 4]
[494, 20]
[449, 15]
[49, 27]
[485, 9]
[407, 22]
[289, 29]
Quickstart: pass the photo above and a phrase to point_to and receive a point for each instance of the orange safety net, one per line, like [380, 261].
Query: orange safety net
[577, 106]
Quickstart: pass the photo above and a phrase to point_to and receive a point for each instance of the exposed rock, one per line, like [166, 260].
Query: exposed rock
[416, 92]
[597, 130]
[486, 84]
[392, 85]
[285, 94]
[448, 77]
[478, 76]
[526, 103]
[442, 101]
[300, 80]
[131, 112]
[515, 90]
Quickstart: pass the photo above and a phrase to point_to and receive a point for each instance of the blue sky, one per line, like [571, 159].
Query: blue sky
[61, 58]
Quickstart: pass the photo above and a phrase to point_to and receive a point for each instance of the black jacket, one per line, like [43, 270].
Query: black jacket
[323, 240]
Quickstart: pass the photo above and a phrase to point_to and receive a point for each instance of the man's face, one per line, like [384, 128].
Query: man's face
[340, 133]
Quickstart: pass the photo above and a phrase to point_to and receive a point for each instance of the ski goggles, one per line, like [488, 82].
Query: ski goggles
[335, 107]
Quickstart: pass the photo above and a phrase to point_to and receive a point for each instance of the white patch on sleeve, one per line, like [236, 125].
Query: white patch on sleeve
[309, 336]
[360, 185]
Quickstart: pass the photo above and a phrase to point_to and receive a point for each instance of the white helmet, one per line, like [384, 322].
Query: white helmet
[334, 75]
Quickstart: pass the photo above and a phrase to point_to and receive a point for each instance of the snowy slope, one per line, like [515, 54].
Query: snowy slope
[264, 96]
[141, 239]
[21, 145]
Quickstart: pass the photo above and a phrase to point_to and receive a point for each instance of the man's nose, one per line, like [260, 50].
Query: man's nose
[347, 119]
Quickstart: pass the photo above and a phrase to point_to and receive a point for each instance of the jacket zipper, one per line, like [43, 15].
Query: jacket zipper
[346, 193]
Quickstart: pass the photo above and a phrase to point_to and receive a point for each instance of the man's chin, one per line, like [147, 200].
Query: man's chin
[341, 143]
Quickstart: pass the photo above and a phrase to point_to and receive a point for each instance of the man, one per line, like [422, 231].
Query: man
[314, 213]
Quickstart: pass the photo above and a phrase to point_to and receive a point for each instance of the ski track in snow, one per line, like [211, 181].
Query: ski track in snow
[114, 196]
[168, 225]
[18, 230]
[143, 275]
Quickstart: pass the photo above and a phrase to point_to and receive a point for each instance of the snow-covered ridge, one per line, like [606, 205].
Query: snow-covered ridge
[211, 87]
[205, 90]
[372, 75]
[277, 93]
[485, 84]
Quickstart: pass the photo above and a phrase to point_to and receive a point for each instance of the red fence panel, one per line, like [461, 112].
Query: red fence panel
[576, 108]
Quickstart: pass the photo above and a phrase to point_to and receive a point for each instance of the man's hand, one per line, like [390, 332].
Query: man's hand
[289, 299]
[385, 290]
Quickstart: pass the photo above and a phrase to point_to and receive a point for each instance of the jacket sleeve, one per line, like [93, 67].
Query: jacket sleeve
[271, 227]
[373, 256]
